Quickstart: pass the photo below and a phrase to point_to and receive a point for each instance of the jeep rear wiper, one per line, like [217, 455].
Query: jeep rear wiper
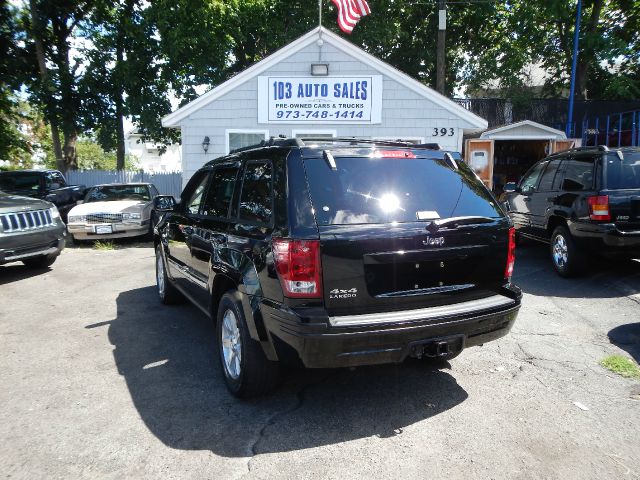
[455, 222]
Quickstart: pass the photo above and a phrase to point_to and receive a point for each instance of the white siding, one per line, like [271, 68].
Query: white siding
[405, 113]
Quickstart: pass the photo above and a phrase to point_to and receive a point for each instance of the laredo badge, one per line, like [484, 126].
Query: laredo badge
[338, 293]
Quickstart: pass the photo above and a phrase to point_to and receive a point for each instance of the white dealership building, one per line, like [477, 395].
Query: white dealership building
[321, 85]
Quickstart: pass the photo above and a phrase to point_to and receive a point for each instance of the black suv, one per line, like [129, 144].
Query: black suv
[337, 253]
[584, 202]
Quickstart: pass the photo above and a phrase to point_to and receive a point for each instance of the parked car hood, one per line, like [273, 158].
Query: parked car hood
[16, 203]
[114, 206]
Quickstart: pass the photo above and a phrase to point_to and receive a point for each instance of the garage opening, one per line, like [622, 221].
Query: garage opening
[512, 158]
[504, 154]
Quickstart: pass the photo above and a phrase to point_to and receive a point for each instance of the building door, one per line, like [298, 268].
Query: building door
[479, 156]
[562, 145]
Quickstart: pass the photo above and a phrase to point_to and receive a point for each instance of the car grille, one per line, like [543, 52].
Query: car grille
[104, 218]
[23, 221]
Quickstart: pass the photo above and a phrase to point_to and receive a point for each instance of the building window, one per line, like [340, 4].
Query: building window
[244, 138]
[314, 133]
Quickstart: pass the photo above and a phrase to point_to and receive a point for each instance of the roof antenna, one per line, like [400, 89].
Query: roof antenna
[328, 157]
[451, 160]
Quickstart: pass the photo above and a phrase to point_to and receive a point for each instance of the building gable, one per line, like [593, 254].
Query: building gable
[524, 130]
[332, 43]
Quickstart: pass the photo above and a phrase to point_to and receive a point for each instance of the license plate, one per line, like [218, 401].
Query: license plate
[102, 229]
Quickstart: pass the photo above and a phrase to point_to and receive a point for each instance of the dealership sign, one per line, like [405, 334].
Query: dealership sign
[320, 99]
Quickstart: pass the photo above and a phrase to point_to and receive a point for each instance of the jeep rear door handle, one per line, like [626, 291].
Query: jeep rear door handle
[527, 199]
[551, 199]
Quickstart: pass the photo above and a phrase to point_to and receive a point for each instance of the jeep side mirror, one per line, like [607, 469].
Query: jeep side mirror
[510, 187]
[164, 203]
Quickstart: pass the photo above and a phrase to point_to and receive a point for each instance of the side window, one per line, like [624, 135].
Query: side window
[578, 174]
[55, 180]
[256, 198]
[530, 181]
[193, 204]
[220, 192]
[546, 182]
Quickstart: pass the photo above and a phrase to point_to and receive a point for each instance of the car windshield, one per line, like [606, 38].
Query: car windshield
[384, 190]
[109, 193]
[622, 174]
[20, 182]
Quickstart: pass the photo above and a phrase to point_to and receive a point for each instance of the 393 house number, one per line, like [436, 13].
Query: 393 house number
[443, 132]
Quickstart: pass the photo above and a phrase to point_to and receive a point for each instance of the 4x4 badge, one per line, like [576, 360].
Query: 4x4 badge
[343, 293]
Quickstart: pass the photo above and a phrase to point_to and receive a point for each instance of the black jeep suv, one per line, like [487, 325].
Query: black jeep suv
[337, 253]
[584, 202]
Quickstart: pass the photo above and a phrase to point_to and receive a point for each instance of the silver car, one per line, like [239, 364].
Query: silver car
[115, 210]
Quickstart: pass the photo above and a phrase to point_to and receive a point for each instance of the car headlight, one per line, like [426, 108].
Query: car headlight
[54, 212]
[77, 219]
[131, 216]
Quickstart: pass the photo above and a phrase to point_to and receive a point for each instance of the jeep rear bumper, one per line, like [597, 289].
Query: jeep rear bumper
[323, 345]
[607, 239]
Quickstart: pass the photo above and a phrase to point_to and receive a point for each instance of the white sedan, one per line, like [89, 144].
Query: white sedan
[113, 211]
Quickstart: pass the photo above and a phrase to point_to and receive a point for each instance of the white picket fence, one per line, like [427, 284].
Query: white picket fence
[167, 183]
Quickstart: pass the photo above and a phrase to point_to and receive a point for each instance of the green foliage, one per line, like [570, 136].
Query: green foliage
[104, 245]
[130, 56]
[520, 33]
[622, 366]
[14, 146]
[91, 156]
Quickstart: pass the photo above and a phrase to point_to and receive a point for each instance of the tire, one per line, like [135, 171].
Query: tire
[246, 370]
[566, 257]
[168, 294]
[41, 262]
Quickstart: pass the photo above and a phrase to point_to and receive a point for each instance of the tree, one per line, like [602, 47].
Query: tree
[518, 34]
[124, 76]
[51, 26]
[13, 143]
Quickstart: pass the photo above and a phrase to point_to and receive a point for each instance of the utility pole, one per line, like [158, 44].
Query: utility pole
[574, 64]
[440, 56]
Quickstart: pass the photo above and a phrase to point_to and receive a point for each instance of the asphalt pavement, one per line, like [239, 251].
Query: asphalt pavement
[99, 380]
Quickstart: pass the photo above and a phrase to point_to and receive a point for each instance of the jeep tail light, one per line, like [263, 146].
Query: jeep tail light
[511, 253]
[298, 266]
[599, 207]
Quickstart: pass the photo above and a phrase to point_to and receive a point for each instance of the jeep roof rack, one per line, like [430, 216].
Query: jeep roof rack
[353, 141]
[283, 141]
[600, 148]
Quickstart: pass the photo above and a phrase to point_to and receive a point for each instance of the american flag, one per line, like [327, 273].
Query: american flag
[349, 12]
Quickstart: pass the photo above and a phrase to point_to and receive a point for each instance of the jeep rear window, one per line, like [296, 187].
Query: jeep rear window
[384, 190]
[622, 174]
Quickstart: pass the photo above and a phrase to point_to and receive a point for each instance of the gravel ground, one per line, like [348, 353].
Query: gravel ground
[98, 380]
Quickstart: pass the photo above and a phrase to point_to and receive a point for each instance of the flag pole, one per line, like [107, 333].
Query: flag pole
[320, 42]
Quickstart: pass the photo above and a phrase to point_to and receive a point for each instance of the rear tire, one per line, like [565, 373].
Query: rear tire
[247, 371]
[169, 295]
[41, 262]
[568, 260]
